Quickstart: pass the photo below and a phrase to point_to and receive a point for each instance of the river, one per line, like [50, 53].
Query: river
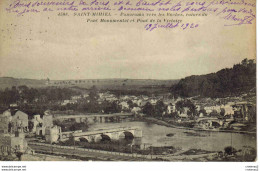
[155, 135]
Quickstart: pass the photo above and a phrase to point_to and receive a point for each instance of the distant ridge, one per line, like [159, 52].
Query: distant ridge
[113, 83]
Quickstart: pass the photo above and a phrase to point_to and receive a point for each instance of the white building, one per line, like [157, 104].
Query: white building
[20, 121]
[52, 134]
[136, 110]
[65, 102]
[228, 109]
[171, 108]
[36, 121]
[138, 102]
[44, 123]
[153, 101]
[124, 105]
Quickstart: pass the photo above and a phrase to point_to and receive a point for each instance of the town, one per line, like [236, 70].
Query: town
[58, 120]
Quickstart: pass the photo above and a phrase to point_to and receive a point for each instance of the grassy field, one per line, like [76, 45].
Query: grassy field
[104, 84]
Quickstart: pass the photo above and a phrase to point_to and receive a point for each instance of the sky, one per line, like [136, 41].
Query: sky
[38, 46]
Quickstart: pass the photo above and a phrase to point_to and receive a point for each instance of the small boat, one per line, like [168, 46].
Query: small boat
[170, 135]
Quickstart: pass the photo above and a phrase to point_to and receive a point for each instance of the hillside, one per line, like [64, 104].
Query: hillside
[8, 82]
[241, 78]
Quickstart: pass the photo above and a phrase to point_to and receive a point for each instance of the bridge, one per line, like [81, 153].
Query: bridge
[93, 117]
[104, 134]
[210, 121]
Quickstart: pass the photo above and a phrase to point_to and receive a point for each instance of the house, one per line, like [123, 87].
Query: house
[171, 108]
[76, 97]
[20, 121]
[65, 102]
[169, 101]
[210, 109]
[98, 100]
[13, 142]
[138, 102]
[143, 102]
[107, 96]
[10, 142]
[144, 97]
[198, 107]
[14, 105]
[136, 110]
[52, 134]
[46, 122]
[111, 98]
[36, 121]
[201, 115]
[125, 97]
[153, 101]
[228, 109]
[217, 108]
[124, 105]
[184, 113]
[8, 114]
[85, 95]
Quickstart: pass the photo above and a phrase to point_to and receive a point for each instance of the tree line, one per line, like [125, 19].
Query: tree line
[24, 94]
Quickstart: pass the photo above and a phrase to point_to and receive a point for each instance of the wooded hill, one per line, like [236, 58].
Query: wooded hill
[241, 78]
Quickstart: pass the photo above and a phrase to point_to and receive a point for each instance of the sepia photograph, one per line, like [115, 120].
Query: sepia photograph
[119, 80]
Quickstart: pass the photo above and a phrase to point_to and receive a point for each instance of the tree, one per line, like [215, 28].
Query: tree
[214, 113]
[79, 126]
[203, 111]
[192, 108]
[148, 109]
[159, 108]
[244, 62]
[174, 115]
[179, 105]
[222, 112]
[186, 103]
[93, 106]
[252, 114]
[19, 155]
[30, 125]
[130, 104]
[230, 150]
[93, 94]
[112, 107]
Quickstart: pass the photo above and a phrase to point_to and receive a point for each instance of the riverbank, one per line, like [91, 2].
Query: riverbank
[86, 154]
[56, 152]
[187, 124]
[163, 153]
[83, 154]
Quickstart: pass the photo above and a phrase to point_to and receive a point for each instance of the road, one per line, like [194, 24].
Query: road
[85, 155]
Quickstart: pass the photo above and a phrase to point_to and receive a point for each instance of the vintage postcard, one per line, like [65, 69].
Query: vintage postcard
[128, 80]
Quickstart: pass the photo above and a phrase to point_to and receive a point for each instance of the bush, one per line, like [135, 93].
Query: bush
[230, 150]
